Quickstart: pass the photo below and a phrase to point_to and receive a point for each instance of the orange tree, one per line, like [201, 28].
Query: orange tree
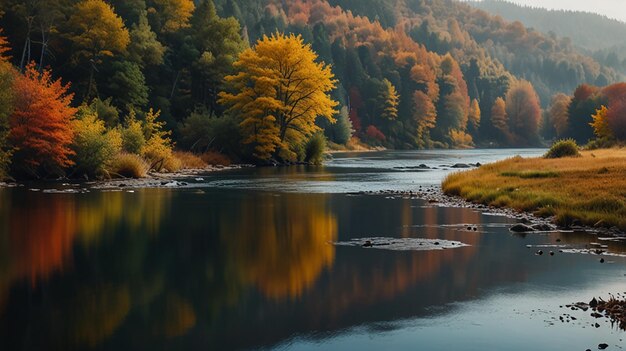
[40, 124]
[279, 90]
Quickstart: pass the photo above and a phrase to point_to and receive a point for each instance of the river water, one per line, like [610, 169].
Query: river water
[246, 259]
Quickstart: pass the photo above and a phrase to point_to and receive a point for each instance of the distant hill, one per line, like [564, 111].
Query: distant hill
[587, 30]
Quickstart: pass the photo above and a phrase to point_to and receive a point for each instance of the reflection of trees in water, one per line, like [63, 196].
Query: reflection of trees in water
[282, 244]
[38, 236]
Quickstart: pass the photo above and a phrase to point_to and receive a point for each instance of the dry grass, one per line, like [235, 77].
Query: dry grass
[190, 160]
[590, 188]
[215, 158]
[128, 166]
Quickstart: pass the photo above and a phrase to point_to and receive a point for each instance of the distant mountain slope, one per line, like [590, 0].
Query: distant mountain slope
[587, 30]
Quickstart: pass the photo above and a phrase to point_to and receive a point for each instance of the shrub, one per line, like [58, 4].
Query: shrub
[94, 145]
[133, 139]
[215, 158]
[315, 148]
[375, 134]
[601, 143]
[158, 149]
[190, 160]
[128, 166]
[563, 148]
[200, 132]
[106, 112]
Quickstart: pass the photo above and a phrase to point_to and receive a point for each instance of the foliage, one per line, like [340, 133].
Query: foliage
[315, 148]
[40, 123]
[170, 15]
[7, 75]
[128, 166]
[133, 139]
[523, 111]
[96, 32]
[94, 146]
[559, 113]
[280, 90]
[144, 47]
[200, 132]
[499, 119]
[158, 147]
[600, 124]
[375, 135]
[128, 85]
[388, 101]
[106, 112]
[563, 148]
[341, 131]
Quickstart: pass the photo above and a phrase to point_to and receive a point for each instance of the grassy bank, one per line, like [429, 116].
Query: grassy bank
[590, 188]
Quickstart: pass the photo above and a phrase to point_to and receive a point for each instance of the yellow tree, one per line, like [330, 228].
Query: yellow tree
[600, 123]
[96, 32]
[474, 115]
[170, 16]
[389, 99]
[280, 88]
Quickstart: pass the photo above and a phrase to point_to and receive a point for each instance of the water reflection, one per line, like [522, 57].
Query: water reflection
[233, 269]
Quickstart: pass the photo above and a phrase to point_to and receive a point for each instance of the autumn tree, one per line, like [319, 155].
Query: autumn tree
[170, 16]
[474, 116]
[425, 117]
[499, 120]
[616, 114]
[7, 74]
[600, 124]
[559, 113]
[388, 100]
[41, 124]
[523, 112]
[96, 32]
[279, 90]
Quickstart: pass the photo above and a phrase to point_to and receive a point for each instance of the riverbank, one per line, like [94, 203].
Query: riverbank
[584, 191]
[152, 180]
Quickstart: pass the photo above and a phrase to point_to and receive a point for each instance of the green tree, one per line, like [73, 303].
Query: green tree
[144, 48]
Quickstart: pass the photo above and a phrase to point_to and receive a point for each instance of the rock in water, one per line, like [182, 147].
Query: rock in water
[521, 228]
[593, 303]
[368, 244]
[602, 346]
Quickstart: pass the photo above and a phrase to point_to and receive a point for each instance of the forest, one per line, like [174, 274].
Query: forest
[101, 88]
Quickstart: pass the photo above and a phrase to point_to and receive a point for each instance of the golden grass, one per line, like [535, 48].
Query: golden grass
[190, 160]
[215, 158]
[128, 165]
[590, 188]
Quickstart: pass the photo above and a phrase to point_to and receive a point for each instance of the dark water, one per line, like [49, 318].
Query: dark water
[243, 260]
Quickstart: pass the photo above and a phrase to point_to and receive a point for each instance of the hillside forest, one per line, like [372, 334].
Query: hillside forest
[101, 88]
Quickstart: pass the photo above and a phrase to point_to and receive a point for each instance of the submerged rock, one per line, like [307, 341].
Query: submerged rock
[521, 228]
[402, 244]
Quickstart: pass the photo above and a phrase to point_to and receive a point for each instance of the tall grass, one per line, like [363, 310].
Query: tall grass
[590, 189]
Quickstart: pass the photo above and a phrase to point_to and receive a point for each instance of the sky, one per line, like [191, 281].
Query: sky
[610, 8]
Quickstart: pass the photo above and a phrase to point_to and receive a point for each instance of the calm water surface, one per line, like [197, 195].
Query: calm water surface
[244, 260]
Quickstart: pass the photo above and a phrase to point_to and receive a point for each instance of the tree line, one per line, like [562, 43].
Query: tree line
[151, 76]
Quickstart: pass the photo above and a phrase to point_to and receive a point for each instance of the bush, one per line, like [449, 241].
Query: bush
[200, 133]
[189, 160]
[563, 148]
[158, 149]
[601, 143]
[133, 139]
[106, 112]
[315, 148]
[128, 166]
[94, 145]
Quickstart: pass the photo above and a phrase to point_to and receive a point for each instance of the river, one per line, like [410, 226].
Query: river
[246, 259]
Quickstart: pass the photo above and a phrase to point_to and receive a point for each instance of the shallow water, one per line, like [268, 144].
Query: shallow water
[247, 259]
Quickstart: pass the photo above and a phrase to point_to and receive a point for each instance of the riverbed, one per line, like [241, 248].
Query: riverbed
[271, 258]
